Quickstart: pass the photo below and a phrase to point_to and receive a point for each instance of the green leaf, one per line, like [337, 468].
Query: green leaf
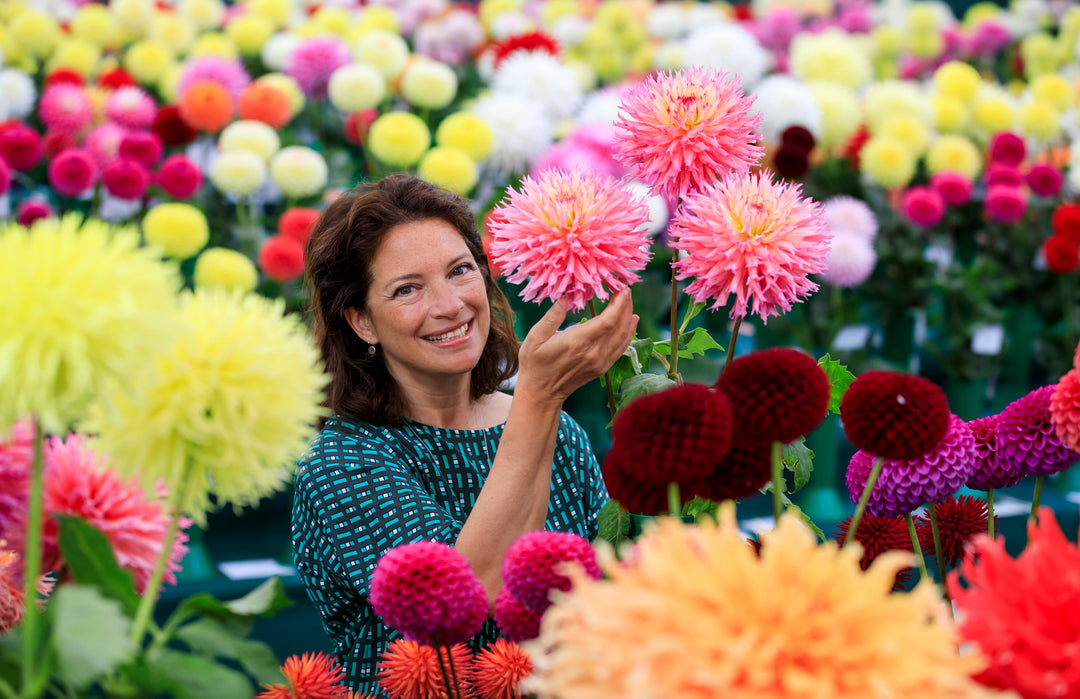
[632, 362]
[90, 633]
[694, 309]
[807, 521]
[694, 342]
[641, 385]
[699, 507]
[213, 639]
[839, 380]
[180, 675]
[614, 523]
[265, 601]
[90, 558]
[799, 459]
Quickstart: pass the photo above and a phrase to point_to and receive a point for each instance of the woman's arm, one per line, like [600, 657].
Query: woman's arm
[553, 364]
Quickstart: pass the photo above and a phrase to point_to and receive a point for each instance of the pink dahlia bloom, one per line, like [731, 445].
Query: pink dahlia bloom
[850, 261]
[1003, 174]
[229, 73]
[535, 565]
[1005, 203]
[906, 485]
[1044, 180]
[72, 172]
[923, 205]
[844, 214]
[31, 210]
[5, 176]
[516, 621]
[65, 108]
[989, 39]
[126, 178]
[991, 471]
[1007, 148]
[20, 145]
[132, 107]
[1027, 438]
[683, 130]
[427, 591]
[144, 146]
[78, 484]
[103, 143]
[16, 459]
[570, 235]
[588, 147]
[56, 142]
[754, 238]
[179, 176]
[1065, 409]
[953, 187]
[314, 61]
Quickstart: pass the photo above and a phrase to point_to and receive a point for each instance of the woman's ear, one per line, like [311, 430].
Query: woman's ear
[358, 321]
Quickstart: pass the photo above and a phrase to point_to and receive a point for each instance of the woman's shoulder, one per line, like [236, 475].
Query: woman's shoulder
[344, 438]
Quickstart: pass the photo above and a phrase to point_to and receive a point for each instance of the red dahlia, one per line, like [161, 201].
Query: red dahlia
[642, 497]
[960, 519]
[877, 535]
[531, 41]
[894, 415]
[1066, 221]
[744, 470]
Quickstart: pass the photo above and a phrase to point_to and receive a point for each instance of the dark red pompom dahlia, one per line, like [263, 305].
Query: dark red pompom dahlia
[743, 471]
[960, 519]
[533, 565]
[777, 394]
[894, 415]
[877, 535]
[638, 496]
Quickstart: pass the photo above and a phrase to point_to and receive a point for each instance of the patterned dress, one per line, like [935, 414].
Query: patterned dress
[363, 489]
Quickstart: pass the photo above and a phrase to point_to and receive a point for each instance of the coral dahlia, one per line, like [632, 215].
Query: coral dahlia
[308, 676]
[1027, 438]
[682, 130]
[894, 415]
[409, 670]
[536, 563]
[497, 671]
[752, 237]
[571, 235]
[1065, 409]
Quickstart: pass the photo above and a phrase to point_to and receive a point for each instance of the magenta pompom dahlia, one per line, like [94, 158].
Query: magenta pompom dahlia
[953, 187]
[779, 394]
[535, 565]
[894, 415]
[516, 621]
[752, 237]
[572, 235]
[179, 176]
[125, 178]
[427, 591]
[907, 484]
[682, 130]
[132, 107]
[16, 460]
[72, 172]
[1027, 439]
[65, 108]
[991, 471]
[1065, 409]
[313, 62]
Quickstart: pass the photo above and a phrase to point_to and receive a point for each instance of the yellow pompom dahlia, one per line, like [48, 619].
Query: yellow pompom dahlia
[956, 154]
[696, 612]
[223, 416]
[224, 268]
[179, 230]
[399, 138]
[468, 132]
[449, 167]
[887, 161]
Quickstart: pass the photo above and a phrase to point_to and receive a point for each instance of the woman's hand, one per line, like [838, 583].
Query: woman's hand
[554, 363]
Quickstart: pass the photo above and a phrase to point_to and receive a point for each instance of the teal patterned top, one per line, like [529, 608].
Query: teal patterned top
[362, 489]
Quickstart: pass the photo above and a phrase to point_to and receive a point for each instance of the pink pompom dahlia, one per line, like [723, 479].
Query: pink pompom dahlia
[516, 621]
[72, 172]
[1065, 409]
[144, 146]
[229, 73]
[991, 471]
[65, 108]
[179, 176]
[534, 565]
[132, 107]
[846, 214]
[313, 62]
[1027, 438]
[753, 237]
[851, 260]
[923, 205]
[953, 187]
[16, 460]
[427, 591]
[570, 235]
[681, 131]
[125, 178]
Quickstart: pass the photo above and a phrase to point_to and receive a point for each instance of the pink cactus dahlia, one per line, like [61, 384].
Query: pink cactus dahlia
[681, 131]
[754, 238]
[571, 235]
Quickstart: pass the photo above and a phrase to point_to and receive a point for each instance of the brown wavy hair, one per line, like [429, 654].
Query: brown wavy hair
[338, 274]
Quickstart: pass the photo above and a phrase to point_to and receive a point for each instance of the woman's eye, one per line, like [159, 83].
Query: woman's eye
[403, 290]
[463, 268]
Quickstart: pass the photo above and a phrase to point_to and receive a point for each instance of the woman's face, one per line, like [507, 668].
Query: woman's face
[427, 307]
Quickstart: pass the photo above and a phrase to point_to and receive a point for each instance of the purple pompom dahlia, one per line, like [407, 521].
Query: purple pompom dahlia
[1027, 439]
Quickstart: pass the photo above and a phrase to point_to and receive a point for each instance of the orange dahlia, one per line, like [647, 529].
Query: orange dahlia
[409, 670]
[206, 105]
[308, 676]
[497, 671]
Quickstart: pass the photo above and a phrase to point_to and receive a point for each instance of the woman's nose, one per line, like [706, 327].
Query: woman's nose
[445, 301]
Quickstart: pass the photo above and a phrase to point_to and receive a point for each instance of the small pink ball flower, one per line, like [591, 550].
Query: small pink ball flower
[20, 145]
[427, 591]
[1027, 435]
[953, 187]
[753, 237]
[228, 73]
[5, 176]
[103, 142]
[923, 205]
[1007, 148]
[682, 130]
[534, 565]
[1065, 409]
[516, 621]
[65, 108]
[126, 178]
[1005, 203]
[313, 62]
[31, 210]
[131, 107]
[572, 235]
[850, 262]
[846, 214]
[56, 142]
[144, 146]
[179, 176]
[1045, 180]
[72, 172]
[1003, 174]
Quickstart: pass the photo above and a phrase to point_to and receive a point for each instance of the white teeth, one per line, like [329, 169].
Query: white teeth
[450, 335]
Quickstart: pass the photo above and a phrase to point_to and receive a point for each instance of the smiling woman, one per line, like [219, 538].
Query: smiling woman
[421, 444]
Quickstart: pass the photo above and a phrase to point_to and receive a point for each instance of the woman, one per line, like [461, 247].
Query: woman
[421, 445]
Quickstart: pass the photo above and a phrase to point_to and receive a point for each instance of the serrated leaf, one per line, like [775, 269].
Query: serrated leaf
[642, 385]
[632, 362]
[700, 506]
[614, 523]
[695, 308]
[90, 558]
[90, 632]
[799, 459]
[213, 639]
[839, 380]
[697, 341]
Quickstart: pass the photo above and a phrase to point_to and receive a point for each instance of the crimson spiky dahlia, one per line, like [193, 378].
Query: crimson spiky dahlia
[877, 535]
[427, 591]
[779, 394]
[904, 485]
[752, 237]
[960, 520]
[409, 670]
[308, 676]
[497, 671]
[573, 235]
[1027, 439]
[681, 130]
[894, 415]
[1065, 409]
[536, 563]
[516, 621]
[991, 471]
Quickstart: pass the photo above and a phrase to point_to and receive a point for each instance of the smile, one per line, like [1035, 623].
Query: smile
[453, 334]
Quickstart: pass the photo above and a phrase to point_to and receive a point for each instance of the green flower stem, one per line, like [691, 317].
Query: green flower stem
[936, 531]
[1035, 499]
[990, 509]
[32, 562]
[777, 481]
[453, 672]
[149, 597]
[674, 500]
[607, 372]
[673, 367]
[915, 545]
[731, 344]
[875, 471]
[451, 691]
[6, 690]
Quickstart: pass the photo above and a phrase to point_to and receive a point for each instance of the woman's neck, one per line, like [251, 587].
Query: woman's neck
[448, 406]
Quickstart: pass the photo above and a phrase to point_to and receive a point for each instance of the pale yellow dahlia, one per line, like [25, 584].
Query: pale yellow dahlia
[696, 613]
[81, 305]
[223, 416]
[841, 113]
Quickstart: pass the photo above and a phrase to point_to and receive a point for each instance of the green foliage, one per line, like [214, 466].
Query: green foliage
[641, 385]
[700, 507]
[839, 380]
[614, 523]
[799, 459]
[90, 634]
[90, 560]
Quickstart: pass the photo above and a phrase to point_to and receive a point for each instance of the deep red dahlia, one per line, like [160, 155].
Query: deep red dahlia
[516, 621]
[638, 496]
[894, 415]
[791, 163]
[744, 470]
[530, 41]
[1062, 254]
[778, 394]
[798, 137]
[534, 565]
[877, 535]
[960, 519]
[171, 127]
[1066, 221]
